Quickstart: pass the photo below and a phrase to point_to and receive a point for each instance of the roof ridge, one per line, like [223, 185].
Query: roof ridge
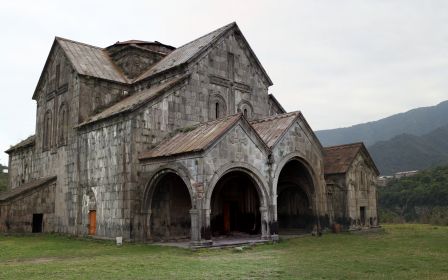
[344, 145]
[222, 27]
[274, 117]
[210, 122]
[77, 42]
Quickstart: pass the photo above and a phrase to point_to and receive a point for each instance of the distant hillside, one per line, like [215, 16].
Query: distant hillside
[410, 152]
[417, 122]
[422, 198]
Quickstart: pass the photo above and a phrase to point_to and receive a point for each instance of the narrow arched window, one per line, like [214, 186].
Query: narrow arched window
[47, 130]
[245, 113]
[62, 125]
[217, 110]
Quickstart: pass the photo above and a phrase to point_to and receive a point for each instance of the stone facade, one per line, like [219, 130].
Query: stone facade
[101, 113]
[352, 194]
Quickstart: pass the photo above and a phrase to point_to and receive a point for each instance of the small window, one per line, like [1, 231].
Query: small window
[47, 130]
[245, 113]
[217, 110]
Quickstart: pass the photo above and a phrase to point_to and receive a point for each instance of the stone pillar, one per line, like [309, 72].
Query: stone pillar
[272, 221]
[200, 227]
[195, 226]
[146, 217]
[265, 231]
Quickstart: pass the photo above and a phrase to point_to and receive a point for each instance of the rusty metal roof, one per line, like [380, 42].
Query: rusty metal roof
[91, 61]
[134, 101]
[338, 159]
[193, 139]
[186, 52]
[271, 129]
[30, 141]
[25, 188]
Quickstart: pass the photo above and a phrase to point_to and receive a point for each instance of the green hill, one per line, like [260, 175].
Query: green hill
[409, 152]
[420, 198]
[417, 122]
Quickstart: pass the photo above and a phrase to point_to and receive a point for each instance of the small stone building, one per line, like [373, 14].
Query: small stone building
[351, 178]
[150, 142]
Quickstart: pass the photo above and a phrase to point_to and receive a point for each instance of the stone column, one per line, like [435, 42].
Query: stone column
[272, 218]
[195, 226]
[147, 228]
[265, 231]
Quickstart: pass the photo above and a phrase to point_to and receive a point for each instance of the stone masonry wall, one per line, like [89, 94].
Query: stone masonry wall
[105, 167]
[298, 141]
[16, 215]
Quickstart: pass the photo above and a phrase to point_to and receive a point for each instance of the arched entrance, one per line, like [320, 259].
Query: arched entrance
[169, 204]
[294, 199]
[235, 206]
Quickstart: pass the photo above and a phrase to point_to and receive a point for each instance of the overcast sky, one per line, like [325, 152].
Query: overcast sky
[339, 62]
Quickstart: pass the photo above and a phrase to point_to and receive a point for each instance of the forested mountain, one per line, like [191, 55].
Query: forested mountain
[421, 198]
[417, 122]
[410, 152]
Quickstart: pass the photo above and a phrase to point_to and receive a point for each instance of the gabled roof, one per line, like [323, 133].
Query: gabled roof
[338, 159]
[87, 60]
[186, 52]
[197, 138]
[28, 142]
[190, 51]
[25, 188]
[136, 100]
[91, 61]
[271, 129]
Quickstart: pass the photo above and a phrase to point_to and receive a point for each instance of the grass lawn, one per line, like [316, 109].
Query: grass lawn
[401, 252]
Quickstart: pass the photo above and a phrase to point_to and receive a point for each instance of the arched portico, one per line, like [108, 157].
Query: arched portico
[167, 206]
[236, 203]
[295, 190]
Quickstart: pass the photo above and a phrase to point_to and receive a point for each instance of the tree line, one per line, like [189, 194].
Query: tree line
[422, 198]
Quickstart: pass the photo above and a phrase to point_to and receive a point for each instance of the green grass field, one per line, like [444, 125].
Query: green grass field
[400, 252]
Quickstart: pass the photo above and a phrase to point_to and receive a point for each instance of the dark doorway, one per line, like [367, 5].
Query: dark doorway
[170, 209]
[294, 209]
[37, 223]
[362, 212]
[235, 206]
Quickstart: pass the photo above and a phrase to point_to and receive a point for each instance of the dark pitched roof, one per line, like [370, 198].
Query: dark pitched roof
[91, 61]
[271, 129]
[186, 52]
[136, 100]
[338, 159]
[30, 141]
[197, 139]
[25, 188]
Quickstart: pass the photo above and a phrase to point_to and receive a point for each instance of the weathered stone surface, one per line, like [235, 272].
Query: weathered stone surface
[98, 165]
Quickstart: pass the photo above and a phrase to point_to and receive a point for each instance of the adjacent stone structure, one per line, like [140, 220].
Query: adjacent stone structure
[151, 142]
[351, 177]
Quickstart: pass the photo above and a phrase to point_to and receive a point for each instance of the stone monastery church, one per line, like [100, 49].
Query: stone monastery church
[155, 143]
